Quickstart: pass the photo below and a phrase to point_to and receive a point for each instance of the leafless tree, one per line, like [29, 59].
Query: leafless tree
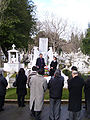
[55, 30]
[59, 33]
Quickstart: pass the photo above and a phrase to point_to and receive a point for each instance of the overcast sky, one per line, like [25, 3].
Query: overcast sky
[75, 11]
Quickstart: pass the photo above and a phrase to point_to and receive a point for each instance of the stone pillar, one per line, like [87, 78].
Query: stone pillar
[9, 57]
[17, 57]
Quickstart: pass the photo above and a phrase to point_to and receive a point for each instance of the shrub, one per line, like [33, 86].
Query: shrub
[67, 72]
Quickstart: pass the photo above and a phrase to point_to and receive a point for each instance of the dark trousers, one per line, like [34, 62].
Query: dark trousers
[55, 108]
[52, 71]
[74, 115]
[88, 109]
[32, 111]
[36, 114]
[21, 100]
[2, 98]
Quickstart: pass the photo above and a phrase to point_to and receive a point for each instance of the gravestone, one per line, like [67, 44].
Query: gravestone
[13, 64]
[43, 47]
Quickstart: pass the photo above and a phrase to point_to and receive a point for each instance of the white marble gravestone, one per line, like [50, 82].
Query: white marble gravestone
[43, 47]
[13, 64]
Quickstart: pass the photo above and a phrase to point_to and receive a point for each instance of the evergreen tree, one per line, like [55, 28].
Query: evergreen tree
[17, 23]
[86, 43]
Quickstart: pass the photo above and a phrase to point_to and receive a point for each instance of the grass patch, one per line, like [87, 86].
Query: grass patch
[13, 76]
[11, 94]
[5, 73]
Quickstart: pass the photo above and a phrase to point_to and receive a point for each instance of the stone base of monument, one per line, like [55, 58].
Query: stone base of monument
[10, 83]
[13, 67]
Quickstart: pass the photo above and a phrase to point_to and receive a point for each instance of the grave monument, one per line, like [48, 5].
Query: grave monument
[13, 64]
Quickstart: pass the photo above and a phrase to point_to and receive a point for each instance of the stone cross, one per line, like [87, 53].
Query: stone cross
[13, 46]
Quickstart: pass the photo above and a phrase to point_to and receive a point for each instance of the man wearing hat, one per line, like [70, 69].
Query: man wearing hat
[3, 85]
[40, 63]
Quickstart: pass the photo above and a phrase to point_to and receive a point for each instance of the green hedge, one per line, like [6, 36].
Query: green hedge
[11, 94]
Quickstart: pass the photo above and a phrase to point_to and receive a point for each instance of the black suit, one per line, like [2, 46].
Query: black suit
[3, 85]
[40, 63]
[75, 86]
[54, 65]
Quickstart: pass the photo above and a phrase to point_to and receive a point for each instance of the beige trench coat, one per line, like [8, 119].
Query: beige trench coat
[38, 85]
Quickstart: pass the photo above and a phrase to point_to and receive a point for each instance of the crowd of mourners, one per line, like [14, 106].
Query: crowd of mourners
[38, 85]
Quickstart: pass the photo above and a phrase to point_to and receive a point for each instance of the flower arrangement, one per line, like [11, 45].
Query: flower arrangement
[46, 74]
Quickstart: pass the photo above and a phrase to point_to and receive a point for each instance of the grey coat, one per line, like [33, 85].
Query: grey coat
[38, 85]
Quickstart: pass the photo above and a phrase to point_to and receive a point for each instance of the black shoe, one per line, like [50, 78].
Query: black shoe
[67, 119]
[1, 109]
[23, 106]
[32, 115]
[19, 105]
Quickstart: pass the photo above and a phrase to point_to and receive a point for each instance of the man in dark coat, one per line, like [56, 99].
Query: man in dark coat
[55, 86]
[53, 66]
[40, 63]
[87, 96]
[3, 85]
[75, 86]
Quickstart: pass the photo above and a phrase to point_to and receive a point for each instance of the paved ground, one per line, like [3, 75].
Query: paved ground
[12, 112]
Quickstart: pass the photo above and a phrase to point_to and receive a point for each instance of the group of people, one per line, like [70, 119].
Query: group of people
[40, 64]
[38, 85]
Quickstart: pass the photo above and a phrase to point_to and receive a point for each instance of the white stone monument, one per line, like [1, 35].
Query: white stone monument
[43, 47]
[13, 64]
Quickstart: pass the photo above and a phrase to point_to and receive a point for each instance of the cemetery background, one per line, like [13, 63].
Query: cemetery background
[15, 59]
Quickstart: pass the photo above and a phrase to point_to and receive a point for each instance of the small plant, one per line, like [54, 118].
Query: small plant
[5, 73]
[67, 72]
[61, 66]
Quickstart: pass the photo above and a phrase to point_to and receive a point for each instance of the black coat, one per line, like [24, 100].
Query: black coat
[75, 86]
[3, 85]
[40, 62]
[87, 89]
[54, 65]
[55, 86]
[21, 81]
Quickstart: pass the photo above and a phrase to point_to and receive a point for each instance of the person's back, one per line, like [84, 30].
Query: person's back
[38, 85]
[21, 81]
[37, 88]
[87, 96]
[55, 87]
[21, 90]
[87, 88]
[34, 72]
[3, 85]
[75, 86]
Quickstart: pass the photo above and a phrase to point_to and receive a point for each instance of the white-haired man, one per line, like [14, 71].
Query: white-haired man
[75, 86]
